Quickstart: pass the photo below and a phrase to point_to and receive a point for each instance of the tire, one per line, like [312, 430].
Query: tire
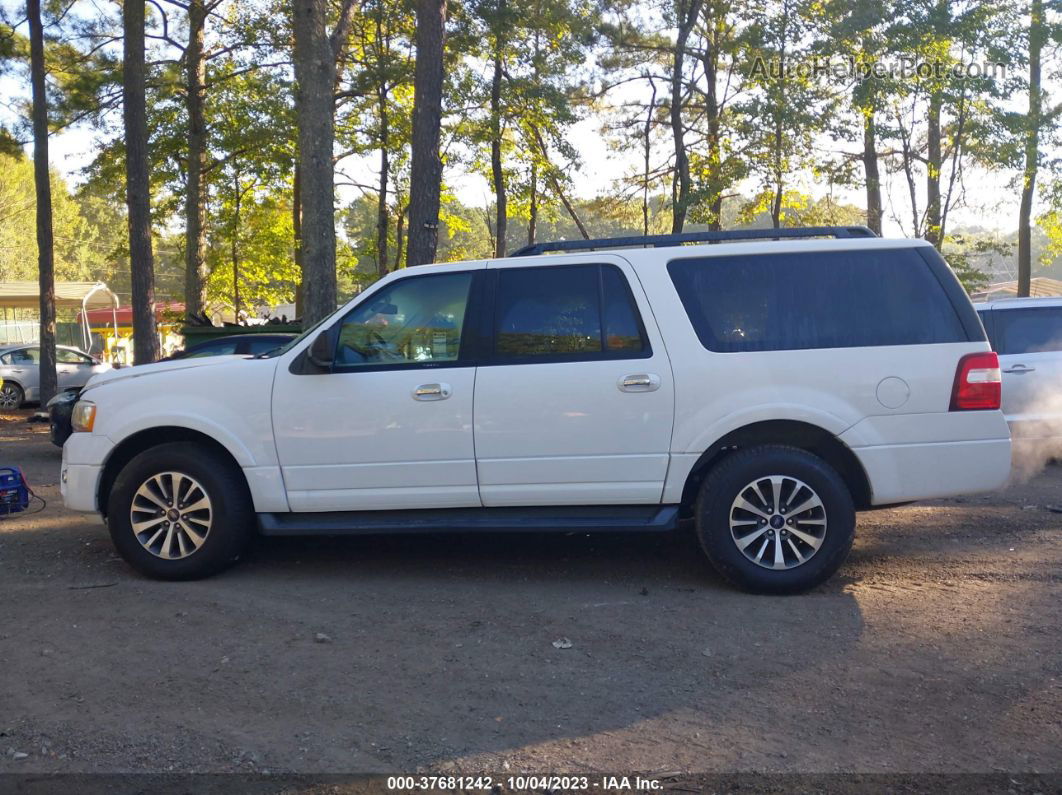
[11, 395]
[202, 542]
[800, 550]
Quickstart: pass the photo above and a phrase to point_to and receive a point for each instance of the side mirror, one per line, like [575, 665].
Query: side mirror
[322, 351]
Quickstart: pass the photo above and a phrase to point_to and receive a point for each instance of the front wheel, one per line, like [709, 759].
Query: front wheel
[775, 519]
[180, 511]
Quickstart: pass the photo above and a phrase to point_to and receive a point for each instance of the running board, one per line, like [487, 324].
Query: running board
[566, 519]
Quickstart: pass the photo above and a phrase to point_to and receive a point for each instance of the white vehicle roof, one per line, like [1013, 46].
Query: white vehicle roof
[646, 254]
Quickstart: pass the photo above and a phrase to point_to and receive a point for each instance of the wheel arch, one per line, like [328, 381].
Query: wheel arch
[136, 443]
[803, 435]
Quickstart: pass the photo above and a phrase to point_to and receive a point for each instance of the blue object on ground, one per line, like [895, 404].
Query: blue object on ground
[14, 491]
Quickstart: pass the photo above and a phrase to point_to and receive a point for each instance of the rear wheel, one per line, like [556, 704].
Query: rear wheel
[180, 511]
[775, 519]
[11, 395]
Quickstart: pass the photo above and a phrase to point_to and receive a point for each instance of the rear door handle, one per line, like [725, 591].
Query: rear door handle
[639, 382]
[432, 392]
[1018, 369]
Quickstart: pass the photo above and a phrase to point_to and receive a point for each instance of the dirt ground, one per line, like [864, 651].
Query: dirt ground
[937, 649]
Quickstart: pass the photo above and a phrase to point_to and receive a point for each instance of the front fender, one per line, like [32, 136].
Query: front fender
[229, 403]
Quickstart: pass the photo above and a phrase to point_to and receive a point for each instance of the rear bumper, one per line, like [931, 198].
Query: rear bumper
[906, 472]
[923, 456]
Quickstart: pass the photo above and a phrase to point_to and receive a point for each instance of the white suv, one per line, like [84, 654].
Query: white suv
[768, 390]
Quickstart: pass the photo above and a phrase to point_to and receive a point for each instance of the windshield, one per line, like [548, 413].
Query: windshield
[287, 346]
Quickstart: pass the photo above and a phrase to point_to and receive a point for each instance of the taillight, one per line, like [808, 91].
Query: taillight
[978, 383]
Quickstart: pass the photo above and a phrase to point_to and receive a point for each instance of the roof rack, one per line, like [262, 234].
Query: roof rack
[658, 241]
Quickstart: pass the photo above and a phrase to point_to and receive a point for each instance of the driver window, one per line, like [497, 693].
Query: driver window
[414, 321]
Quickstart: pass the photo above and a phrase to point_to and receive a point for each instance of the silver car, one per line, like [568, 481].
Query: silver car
[20, 372]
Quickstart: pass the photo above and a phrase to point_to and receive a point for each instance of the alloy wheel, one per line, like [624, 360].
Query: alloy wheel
[778, 522]
[171, 515]
[10, 396]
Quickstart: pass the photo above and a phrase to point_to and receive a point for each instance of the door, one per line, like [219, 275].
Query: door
[390, 427]
[1029, 344]
[73, 369]
[574, 401]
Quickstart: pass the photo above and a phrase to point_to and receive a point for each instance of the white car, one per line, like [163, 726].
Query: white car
[768, 390]
[20, 372]
[1027, 335]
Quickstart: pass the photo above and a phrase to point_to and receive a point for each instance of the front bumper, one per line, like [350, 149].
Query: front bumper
[79, 486]
[84, 455]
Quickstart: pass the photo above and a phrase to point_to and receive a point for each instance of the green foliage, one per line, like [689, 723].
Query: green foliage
[85, 240]
[263, 267]
[968, 255]
[766, 139]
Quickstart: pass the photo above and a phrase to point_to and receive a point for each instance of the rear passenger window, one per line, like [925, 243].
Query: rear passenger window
[566, 313]
[1029, 330]
[821, 299]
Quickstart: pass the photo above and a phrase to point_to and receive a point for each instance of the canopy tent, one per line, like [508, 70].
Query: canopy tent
[124, 316]
[68, 295]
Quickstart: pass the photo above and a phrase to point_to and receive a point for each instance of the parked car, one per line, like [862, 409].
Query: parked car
[20, 372]
[243, 344]
[768, 390]
[60, 408]
[1027, 335]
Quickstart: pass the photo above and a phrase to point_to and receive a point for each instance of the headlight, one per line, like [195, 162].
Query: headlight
[83, 416]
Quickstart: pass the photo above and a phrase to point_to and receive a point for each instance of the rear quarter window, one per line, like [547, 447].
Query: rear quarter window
[820, 299]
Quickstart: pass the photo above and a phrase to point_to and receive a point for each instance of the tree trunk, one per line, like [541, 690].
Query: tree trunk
[713, 112]
[381, 202]
[235, 248]
[779, 124]
[315, 71]
[195, 272]
[532, 211]
[681, 184]
[646, 154]
[425, 178]
[296, 228]
[497, 174]
[1037, 37]
[933, 163]
[137, 188]
[400, 232]
[870, 170]
[42, 179]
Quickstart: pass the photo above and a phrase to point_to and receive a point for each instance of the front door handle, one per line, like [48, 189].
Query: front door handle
[1018, 369]
[639, 382]
[432, 392]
